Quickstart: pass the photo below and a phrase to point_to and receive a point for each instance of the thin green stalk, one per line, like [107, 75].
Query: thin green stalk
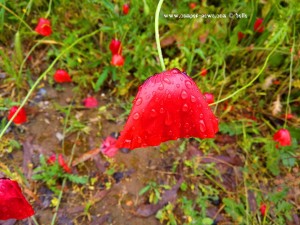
[42, 77]
[63, 185]
[252, 81]
[290, 81]
[49, 9]
[19, 18]
[161, 59]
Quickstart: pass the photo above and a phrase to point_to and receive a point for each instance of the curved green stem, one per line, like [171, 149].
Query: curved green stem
[252, 81]
[42, 77]
[290, 81]
[161, 59]
[49, 9]
[19, 18]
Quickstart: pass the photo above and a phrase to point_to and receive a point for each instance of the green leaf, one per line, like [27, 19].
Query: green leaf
[77, 179]
[101, 78]
[144, 190]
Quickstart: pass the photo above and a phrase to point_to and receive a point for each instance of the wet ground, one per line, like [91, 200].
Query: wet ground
[112, 194]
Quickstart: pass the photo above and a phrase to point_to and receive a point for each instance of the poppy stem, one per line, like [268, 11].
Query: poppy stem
[161, 59]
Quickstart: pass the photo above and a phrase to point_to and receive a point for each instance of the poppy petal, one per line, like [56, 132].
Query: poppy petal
[13, 204]
[168, 106]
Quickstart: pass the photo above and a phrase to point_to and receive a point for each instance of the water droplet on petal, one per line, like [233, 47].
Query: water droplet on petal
[162, 110]
[169, 96]
[170, 133]
[153, 93]
[161, 86]
[193, 98]
[185, 108]
[188, 84]
[167, 80]
[153, 113]
[175, 71]
[139, 101]
[201, 116]
[184, 94]
[202, 126]
[136, 116]
[127, 141]
[178, 85]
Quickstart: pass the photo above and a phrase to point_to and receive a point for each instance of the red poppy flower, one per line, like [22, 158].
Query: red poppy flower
[108, 147]
[21, 116]
[62, 76]
[283, 137]
[241, 35]
[209, 98]
[115, 47]
[43, 27]
[90, 102]
[117, 60]
[263, 209]
[168, 106]
[13, 204]
[125, 9]
[52, 159]
[203, 72]
[192, 5]
[258, 25]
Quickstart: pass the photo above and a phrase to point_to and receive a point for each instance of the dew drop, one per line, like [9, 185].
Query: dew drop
[153, 93]
[202, 126]
[127, 141]
[175, 71]
[185, 108]
[170, 133]
[167, 80]
[136, 116]
[161, 86]
[193, 98]
[188, 84]
[153, 113]
[139, 101]
[184, 94]
[162, 110]
[201, 115]
[169, 96]
[178, 85]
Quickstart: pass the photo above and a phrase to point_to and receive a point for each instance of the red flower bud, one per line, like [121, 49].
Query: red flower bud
[52, 159]
[283, 137]
[117, 60]
[203, 72]
[241, 35]
[263, 209]
[62, 76]
[21, 116]
[115, 47]
[125, 9]
[43, 27]
[258, 25]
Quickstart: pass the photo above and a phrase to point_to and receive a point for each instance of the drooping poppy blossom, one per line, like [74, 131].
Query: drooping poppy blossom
[115, 46]
[241, 35]
[209, 98]
[258, 25]
[168, 106]
[263, 209]
[44, 27]
[203, 72]
[62, 76]
[117, 60]
[52, 159]
[108, 147]
[21, 116]
[13, 204]
[125, 9]
[283, 137]
[90, 102]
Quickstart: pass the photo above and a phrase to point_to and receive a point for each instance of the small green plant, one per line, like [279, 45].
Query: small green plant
[52, 174]
[154, 190]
